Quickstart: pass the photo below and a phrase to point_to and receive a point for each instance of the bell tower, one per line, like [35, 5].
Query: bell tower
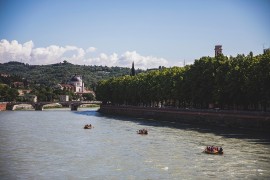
[218, 50]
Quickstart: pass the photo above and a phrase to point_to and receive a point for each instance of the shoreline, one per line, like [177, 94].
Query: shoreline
[221, 118]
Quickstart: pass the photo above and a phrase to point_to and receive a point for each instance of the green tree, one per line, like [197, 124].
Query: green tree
[12, 94]
[241, 82]
[132, 70]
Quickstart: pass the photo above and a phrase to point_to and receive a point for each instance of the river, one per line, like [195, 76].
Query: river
[52, 144]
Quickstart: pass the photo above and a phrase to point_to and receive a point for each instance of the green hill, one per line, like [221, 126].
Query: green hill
[52, 74]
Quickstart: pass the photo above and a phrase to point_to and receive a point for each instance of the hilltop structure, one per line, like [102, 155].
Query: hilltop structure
[218, 50]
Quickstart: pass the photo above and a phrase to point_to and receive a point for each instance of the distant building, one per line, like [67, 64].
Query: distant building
[218, 50]
[4, 75]
[77, 82]
[23, 92]
[67, 87]
[63, 98]
[76, 85]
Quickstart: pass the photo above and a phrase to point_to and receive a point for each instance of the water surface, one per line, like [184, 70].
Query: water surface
[52, 144]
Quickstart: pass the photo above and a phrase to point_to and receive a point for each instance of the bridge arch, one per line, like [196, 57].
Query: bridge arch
[15, 105]
[39, 106]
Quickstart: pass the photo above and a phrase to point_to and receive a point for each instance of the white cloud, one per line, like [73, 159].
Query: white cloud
[141, 61]
[91, 49]
[13, 51]
[47, 55]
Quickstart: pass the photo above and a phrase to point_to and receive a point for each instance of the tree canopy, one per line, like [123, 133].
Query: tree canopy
[41, 79]
[241, 82]
[53, 74]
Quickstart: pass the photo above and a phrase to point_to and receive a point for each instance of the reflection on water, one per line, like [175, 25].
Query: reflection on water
[54, 145]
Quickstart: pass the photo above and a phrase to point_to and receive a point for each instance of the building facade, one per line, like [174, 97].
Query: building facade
[78, 84]
[75, 84]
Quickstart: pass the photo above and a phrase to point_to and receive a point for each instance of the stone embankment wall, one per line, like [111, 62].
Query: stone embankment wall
[250, 120]
[3, 106]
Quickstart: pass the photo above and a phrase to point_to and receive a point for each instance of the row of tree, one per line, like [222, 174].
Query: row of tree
[241, 82]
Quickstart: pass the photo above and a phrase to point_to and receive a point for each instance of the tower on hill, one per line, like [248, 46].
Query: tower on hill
[218, 50]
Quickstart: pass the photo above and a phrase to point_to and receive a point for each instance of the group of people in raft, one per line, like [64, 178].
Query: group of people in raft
[142, 131]
[88, 126]
[208, 149]
[213, 150]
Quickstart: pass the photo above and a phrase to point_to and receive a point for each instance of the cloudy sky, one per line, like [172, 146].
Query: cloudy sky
[116, 32]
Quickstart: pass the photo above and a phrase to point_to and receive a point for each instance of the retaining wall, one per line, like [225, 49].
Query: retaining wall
[250, 120]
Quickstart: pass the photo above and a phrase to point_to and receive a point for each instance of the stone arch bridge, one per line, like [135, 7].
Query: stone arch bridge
[38, 106]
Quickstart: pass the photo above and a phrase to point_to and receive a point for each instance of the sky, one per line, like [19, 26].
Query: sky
[151, 33]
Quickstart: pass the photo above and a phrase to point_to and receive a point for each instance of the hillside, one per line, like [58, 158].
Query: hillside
[60, 73]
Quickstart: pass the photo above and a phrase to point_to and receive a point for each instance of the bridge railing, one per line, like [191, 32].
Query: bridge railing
[53, 102]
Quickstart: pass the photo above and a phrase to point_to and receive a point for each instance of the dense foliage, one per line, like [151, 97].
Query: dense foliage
[7, 93]
[241, 82]
[50, 75]
[42, 79]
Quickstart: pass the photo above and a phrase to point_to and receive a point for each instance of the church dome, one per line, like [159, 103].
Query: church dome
[75, 78]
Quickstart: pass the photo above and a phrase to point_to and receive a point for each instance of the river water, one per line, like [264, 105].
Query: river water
[52, 144]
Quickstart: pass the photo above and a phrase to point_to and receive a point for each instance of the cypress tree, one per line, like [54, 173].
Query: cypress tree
[132, 70]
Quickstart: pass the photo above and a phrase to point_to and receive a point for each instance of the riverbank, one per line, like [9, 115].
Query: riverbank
[231, 119]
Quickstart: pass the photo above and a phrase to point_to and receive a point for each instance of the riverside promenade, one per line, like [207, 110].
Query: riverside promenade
[225, 118]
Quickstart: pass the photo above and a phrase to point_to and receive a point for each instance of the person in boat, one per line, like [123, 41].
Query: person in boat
[220, 151]
[88, 126]
[142, 131]
[145, 131]
[210, 149]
